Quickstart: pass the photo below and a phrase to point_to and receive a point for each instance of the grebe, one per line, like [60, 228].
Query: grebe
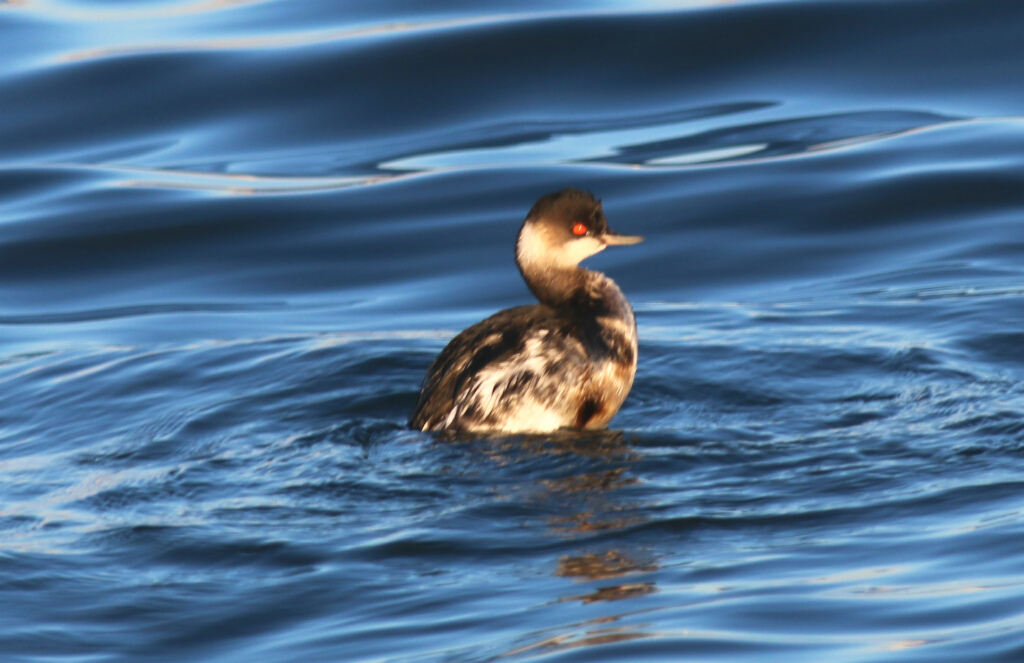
[566, 362]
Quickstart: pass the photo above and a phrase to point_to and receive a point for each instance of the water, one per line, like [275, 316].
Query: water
[234, 235]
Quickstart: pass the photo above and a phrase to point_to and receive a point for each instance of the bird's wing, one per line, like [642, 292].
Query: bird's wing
[494, 365]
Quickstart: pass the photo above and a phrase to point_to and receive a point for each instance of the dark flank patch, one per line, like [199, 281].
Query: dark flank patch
[519, 383]
[485, 355]
[590, 407]
[471, 410]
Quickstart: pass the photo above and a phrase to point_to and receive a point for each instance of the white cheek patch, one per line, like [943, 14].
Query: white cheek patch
[538, 247]
[577, 250]
[533, 246]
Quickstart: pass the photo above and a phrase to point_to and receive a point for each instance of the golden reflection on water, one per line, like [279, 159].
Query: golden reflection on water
[584, 500]
[610, 564]
[616, 593]
[590, 638]
[580, 501]
[587, 638]
[603, 566]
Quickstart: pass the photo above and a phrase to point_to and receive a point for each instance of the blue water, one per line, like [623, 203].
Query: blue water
[233, 235]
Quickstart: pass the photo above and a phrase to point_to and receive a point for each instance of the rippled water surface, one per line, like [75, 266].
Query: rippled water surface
[233, 235]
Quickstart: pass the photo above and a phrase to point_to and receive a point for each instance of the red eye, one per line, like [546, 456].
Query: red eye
[579, 230]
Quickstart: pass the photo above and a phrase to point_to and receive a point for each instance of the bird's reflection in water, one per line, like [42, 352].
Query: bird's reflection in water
[607, 629]
[591, 637]
[576, 479]
[603, 566]
[576, 486]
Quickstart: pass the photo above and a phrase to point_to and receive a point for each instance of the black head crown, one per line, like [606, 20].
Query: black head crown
[563, 210]
[571, 214]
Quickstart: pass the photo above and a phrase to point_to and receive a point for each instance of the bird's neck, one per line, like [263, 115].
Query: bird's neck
[578, 291]
[557, 286]
[556, 279]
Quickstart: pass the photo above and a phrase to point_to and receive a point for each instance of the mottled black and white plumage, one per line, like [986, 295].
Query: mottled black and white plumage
[568, 361]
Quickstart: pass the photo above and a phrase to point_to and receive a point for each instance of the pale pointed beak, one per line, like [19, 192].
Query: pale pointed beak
[615, 239]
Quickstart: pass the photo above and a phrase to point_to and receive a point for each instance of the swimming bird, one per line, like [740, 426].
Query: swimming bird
[567, 362]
